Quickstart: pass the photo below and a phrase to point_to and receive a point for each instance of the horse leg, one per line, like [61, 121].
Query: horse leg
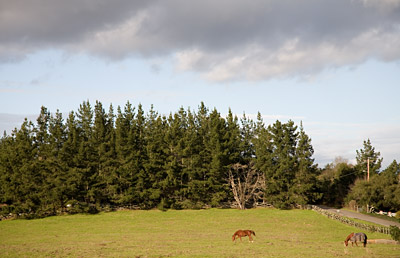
[356, 243]
[250, 239]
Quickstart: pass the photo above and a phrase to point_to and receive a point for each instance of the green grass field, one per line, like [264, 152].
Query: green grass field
[186, 233]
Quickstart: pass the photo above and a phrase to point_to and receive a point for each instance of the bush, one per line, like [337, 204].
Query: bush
[82, 207]
[395, 233]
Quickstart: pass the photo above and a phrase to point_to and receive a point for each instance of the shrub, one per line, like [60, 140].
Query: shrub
[395, 233]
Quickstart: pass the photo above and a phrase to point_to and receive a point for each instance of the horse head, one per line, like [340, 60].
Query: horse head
[346, 242]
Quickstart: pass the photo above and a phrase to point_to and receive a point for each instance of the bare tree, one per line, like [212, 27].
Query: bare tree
[247, 184]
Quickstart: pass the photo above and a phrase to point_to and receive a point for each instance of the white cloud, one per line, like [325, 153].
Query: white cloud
[385, 4]
[221, 40]
[293, 58]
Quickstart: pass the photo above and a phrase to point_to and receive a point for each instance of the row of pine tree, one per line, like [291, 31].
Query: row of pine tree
[95, 159]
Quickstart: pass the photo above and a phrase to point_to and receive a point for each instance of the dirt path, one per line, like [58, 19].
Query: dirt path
[356, 215]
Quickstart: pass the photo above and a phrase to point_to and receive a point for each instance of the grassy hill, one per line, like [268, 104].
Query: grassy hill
[186, 233]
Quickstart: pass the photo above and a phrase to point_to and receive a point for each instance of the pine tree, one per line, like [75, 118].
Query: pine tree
[190, 179]
[152, 179]
[232, 139]
[6, 173]
[365, 154]
[125, 174]
[201, 157]
[304, 189]
[108, 159]
[175, 181]
[59, 188]
[25, 182]
[180, 161]
[247, 131]
[216, 176]
[263, 146]
[41, 163]
[86, 157]
[139, 158]
[282, 172]
[69, 159]
[104, 157]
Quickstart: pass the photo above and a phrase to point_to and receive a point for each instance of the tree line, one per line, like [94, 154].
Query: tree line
[96, 160]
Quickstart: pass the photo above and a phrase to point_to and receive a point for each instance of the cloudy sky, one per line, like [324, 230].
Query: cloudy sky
[334, 65]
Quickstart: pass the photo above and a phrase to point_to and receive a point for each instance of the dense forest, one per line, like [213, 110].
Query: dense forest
[96, 160]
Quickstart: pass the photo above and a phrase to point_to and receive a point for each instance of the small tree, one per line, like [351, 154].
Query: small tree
[395, 233]
[247, 184]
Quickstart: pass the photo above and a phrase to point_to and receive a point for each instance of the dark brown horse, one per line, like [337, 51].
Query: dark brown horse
[353, 238]
[243, 233]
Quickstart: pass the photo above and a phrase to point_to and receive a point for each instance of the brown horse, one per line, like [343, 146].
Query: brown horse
[353, 238]
[243, 233]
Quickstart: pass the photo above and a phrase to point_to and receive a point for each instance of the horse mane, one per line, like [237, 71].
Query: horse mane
[349, 236]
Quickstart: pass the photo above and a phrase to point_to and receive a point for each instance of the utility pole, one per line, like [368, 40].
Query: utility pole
[368, 208]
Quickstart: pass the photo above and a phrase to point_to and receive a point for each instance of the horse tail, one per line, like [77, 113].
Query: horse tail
[365, 240]
[254, 233]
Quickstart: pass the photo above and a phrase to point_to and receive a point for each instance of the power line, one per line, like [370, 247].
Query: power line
[348, 174]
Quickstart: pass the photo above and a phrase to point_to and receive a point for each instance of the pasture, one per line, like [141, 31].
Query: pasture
[185, 233]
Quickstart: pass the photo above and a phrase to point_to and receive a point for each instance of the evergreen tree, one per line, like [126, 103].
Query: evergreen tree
[282, 172]
[139, 159]
[86, 157]
[6, 172]
[232, 140]
[108, 159]
[59, 188]
[41, 163]
[104, 156]
[153, 179]
[125, 176]
[180, 161]
[247, 131]
[365, 154]
[175, 182]
[304, 189]
[216, 177]
[69, 158]
[201, 158]
[25, 182]
[263, 146]
[190, 179]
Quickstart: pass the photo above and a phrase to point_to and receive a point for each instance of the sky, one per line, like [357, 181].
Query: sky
[333, 66]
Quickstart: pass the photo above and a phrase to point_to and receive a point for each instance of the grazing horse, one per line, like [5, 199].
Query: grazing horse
[353, 238]
[243, 233]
